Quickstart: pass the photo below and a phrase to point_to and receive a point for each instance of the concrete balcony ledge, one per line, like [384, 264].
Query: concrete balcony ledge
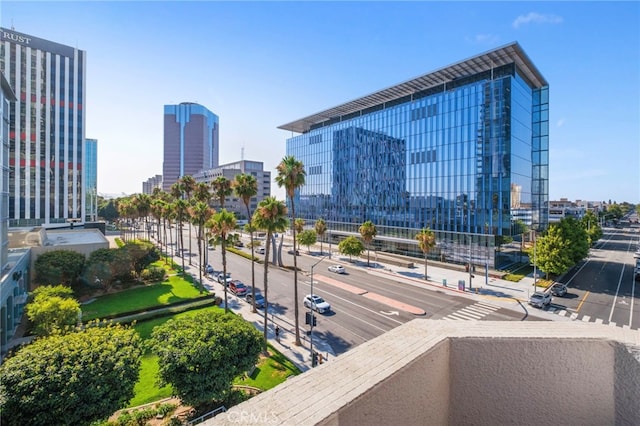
[430, 372]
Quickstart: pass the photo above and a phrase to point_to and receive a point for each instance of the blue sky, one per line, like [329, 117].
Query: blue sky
[258, 65]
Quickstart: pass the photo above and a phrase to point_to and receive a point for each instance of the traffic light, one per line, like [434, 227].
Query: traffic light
[309, 318]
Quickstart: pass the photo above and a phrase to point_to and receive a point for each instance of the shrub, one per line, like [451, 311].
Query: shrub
[154, 273]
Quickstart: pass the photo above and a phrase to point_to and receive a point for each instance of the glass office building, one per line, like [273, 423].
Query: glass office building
[462, 150]
[91, 179]
[191, 141]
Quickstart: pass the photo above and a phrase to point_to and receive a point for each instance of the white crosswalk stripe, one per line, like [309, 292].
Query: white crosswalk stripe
[586, 318]
[599, 321]
[473, 312]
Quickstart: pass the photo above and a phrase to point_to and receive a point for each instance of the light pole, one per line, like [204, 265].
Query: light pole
[535, 273]
[311, 311]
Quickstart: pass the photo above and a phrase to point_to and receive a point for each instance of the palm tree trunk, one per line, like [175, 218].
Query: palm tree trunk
[200, 257]
[189, 243]
[425, 266]
[224, 272]
[253, 265]
[182, 251]
[295, 275]
[266, 292]
[367, 256]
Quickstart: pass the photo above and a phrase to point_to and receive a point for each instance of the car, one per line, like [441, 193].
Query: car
[259, 298]
[540, 299]
[559, 289]
[223, 279]
[637, 254]
[209, 269]
[238, 288]
[317, 303]
[260, 250]
[238, 243]
[297, 252]
[338, 269]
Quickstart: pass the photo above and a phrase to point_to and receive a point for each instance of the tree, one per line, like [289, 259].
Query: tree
[221, 189]
[52, 310]
[368, 231]
[270, 216]
[246, 187]
[576, 235]
[221, 224]
[188, 184]
[59, 267]
[552, 252]
[200, 212]
[200, 355]
[291, 176]
[426, 241]
[307, 238]
[320, 227]
[590, 223]
[351, 246]
[71, 379]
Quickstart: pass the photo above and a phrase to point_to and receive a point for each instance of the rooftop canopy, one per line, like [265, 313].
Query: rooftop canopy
[505, 55]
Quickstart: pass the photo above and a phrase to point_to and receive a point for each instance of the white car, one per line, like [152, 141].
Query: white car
[260, 250]
[221, 278]
[540, 299]
[338, 269]
[317, 303]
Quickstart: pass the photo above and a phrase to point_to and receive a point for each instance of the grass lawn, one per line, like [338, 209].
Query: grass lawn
[268, 373]
[173, 290]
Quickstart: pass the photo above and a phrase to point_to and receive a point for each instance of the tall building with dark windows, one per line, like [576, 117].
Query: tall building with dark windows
[190, 141]
[46, 137]
[463, 150]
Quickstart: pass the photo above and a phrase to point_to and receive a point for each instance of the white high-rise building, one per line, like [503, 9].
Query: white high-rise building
[47, 133]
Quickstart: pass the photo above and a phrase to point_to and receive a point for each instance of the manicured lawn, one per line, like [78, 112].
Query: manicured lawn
[268, 373]
[173, 290]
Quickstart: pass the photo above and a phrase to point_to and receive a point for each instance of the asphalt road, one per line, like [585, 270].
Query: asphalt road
[602, 289]
[364, 305]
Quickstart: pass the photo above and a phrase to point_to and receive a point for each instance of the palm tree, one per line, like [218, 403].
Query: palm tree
[200, 212]
[291, 176]
[188, 185]
[246, 187]
[176, 194]
[221, 189]
[181, 206]
[426, 241]
[270, 216]
[202, 193]
[368, 231]
[321, 228]
[221, 224]
[142, 205]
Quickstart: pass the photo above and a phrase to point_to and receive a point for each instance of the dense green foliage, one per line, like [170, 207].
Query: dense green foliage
[368, 231]
[351, 246]
[590, 223]
[52, 310]
[307, 238]
[58, 267]
[200, 356]
[553, 252]
[71, 379]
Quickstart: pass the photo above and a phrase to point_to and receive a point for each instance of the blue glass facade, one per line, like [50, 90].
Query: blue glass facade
[91, 179]
[459, 157]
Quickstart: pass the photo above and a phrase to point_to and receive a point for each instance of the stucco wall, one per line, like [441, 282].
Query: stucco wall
[418, 393]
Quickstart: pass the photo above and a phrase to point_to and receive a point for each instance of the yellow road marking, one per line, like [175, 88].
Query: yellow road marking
[582, 301]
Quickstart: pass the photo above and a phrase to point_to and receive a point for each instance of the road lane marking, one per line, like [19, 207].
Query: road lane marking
[582, 301]
[613, 305]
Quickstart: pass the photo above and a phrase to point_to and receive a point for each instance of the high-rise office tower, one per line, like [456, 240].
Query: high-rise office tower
[463, 150]
[46, 137]
[190, 141]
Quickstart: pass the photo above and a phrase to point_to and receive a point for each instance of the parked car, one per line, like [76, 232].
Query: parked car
[259, 298]
[238, 243]
[297, 252]
[223, 279]
[338, 269]
[260, 250]
[238, 288]
[559, 289]
[209, 269]
[317, 303]
[540, 299]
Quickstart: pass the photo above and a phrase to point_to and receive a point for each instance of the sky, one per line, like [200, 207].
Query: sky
[259, 65]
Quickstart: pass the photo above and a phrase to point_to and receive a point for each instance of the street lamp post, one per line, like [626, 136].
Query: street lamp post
[535, 273]
[311, 311]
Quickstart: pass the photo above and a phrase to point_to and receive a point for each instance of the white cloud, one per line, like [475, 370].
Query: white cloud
[560, 122]
[485, 39]
[537, 18]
